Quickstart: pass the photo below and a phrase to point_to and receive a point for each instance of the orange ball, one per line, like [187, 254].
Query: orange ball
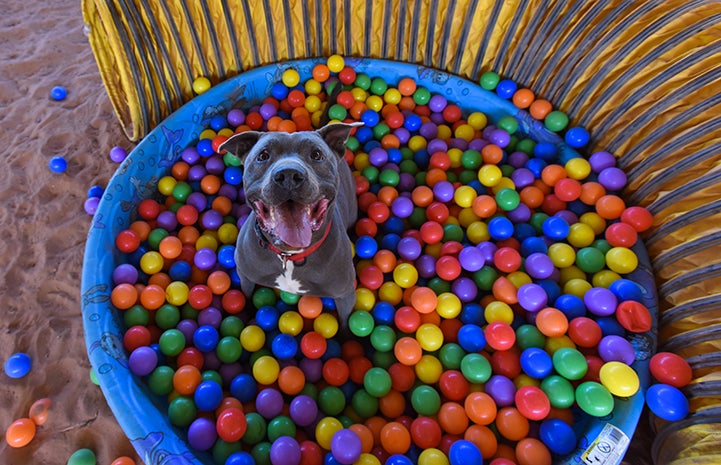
[452, 418]
[407, 87]
[480, 408]
[424, 300]
[20, 432]
[393, 404]
[551, 322]
[170, 247]
[610, 207]
[366, 436]
[124, 460]
[218, 282]
[422, 196]
[484, 206]
[511, 424]
[531, 451]
[532, 196]
[522, 98]
[186, 379]
[291, 380]
[484, 438]
[551, 174]
[123, 296]
[540, 108]
[408, 351]
[591, 191]
[152, 297]
[395, 438]
[310, 306]
[385, 260]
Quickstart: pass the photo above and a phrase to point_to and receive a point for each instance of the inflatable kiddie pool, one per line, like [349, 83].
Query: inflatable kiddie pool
[142, 414]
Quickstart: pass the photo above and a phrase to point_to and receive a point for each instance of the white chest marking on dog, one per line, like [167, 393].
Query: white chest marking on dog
[286, 282]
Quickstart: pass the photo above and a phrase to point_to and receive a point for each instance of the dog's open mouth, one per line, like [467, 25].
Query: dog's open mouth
[292, 222]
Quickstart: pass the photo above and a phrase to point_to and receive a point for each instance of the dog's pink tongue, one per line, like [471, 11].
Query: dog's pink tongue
[293, 224]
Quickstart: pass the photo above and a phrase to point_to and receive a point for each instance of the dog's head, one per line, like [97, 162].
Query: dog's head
[290, 180]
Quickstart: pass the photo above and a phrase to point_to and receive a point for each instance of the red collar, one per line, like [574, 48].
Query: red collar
[295, 257]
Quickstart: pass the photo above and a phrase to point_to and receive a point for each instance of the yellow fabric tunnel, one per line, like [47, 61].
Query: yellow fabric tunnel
[644, 77]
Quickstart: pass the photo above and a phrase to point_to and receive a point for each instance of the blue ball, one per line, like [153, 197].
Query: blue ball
[536, 363]
[506, 88]
[95, 191]
[395, 155]
[546, 151]
[397, 459]
[464, 452]
[577, 137]
[553, 290]
[536, 165]
[383, 313]
[240, 458]
[243, 387]
[233, 175]
[370, 118]
[267, 318]
[218, 122]
[472, 314]
[364, 134]
[533, 244]
[394, 225]
[366, 247]
[208, 396]
[284, 346]
[180, 271]
[472, 338]
[558, 436]
[413, 122]
[279, 90]
[610, 326]
[555, 227]
[18, 365]
[58, 164]
[500, 228]
[205, 147]
[58, 93]
[572, 306]
[625, 289]
[205, 338]
[667, 402]
[226, 256]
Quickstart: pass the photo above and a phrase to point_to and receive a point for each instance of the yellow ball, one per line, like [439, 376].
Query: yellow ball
[312, 103]
[465, 132]
[228, 233]
[151, 262]
[166, 184]
[464, 196]
[252, 338]
[477, 120]
[449, 305]
[455, 155]
[390, 292]
[266, 369]
[519, 278]
[226, 132]
[477, 232]
[432, 456]
[290, 77]
[569, 273]
[489, 175]
[364, 299]
[325, 429]
[444, 132]
[622, 260]
[430, 337]
[416, 143]
[577, 287]
[552, 344]
[524, 380]
[201, 84]
[466, 217]
[392, 96]
[335, 63]
[503, 183]
[581, 235]
[375, 103]
[313, 87]
[578, 168]
[359, 95]
[290, 323]
[562, 255]
[604, 278]
[367, 459]
[361, 161]
[498, 311]
[326, 325]
[405, 275]
[595, 221]
[206, 241]
[429, 369]
[176, 293]
[207, 134]
[620, 379]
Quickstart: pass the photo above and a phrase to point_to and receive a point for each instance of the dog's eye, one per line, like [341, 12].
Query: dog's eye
[316, 155]
[263, 155]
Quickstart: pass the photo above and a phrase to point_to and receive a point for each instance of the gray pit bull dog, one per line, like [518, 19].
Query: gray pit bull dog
[302, 195]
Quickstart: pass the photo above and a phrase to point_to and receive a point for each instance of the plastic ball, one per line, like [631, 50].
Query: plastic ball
[463, 452]
[58, 93]
[346, 446]
[594, 399]
[670, 368]
[20, 433]
[620, 379]
[231, 424]
[570, 363]
[536, 363]
[58, 164]
[667, 402]
[82, 457]
[18, 365]
[201, 84]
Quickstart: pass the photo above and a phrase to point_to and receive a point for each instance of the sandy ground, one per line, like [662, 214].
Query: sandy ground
[44, 228]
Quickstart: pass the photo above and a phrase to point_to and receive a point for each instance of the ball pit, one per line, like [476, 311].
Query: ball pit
[495, 244]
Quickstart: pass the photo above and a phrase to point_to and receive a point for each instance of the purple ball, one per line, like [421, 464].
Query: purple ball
[187, 327]
[235, 117]
[313, 369]
[428, 130]
[612, 178]
[518, 160]
[197, 200]
[202, 434]
[211, 360]
[600, 301]
[285, 451]
[142, 361]
[378, 157]
[204, 258]
[501, 389]
[190, 155]
[443, 191]
[91, 205]
[614, 348]
[488, 249]
[568, 216]
[471, 259]
[500, 137]
[437, 103]
[406, 183]
[268, 110]
[210, 316]
[521, 214]
[402, 207]
[215, 165]
[346, 446]
[458, 143]
[437, 145]
[409, 248]
[167, 220]
[402, 134]
[522, 177]
[465, 289]
[228, 190]
[437, 118]
[539, 265]
[125, 273]
[303, 410]
[601, 160]
[426, 266]
[532, 297]
[269, 403]
[118, 154]
[477, 144]
[212, 220]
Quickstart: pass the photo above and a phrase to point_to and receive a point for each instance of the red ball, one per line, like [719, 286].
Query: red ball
[454, 385]
[638, 217]
[621, 235]
[336, 371]
[200, 297]
[634, 316]
[500, 336]
[378, 212]
[407, 319]
[371, 277]
[366, 227]
[452, 113]
[347, 75]
[358, 367]
[448, 268]
[672, 369]
[402, 377]
[431, 232]
[231, 424]
[426, 432]
[437, 212]
[191, 356]
[506, 363]
[149, 209]
[507, 259]
[127, 241]
[310, 453]
[533, 403]
[136, 336]
[567, 189]
[594, 368]
[313, 345]
[584, 332]
[187, 215]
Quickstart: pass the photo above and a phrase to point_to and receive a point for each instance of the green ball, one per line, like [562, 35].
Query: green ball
[371, 173]
[361, 323]
[167, 316]
[467, 176]
[507, 170]
[451, 176]
[408, 166]
[389, 177]
[485, 277]
[526, 146]
[182, 411]
[420, 178]
[255, 430]
[331, 400]
[378, 86]
[172, 342]
[222, 450]
[188, 313]
[559, 390]
[338, 112]
[425, 400]
[594, 399]
[508, 124]
[471, 159]
[363, 81]
[383, 338]
[528, 336]
[94, 377]
[476, 368]
[452, 232]
[160, 380]
[383, 359]
[212, 375]
[181, 191]
[602, 245]
[364, 404]
[590, 259]
[380, 130]
[570, 363]
[231, 326]
[377, 382]
[289, 297]
[309, 390]
[421, 96]
[451, 355]
[137, 315]
[264, 296]
[281, 426]
[231, 160]
[439, 285]
[82, 457]
[418, 217]
[155, 236]
[229, 349]
[556, 121]
[261, 453]
[508, 199]
[353, 144]
[346, 421]
[537, 220]
[489, 80]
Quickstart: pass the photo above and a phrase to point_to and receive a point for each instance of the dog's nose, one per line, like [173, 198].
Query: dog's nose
[289, 178]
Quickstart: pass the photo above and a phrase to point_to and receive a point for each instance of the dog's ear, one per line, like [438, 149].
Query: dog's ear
[240, 144]
[336, 135]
